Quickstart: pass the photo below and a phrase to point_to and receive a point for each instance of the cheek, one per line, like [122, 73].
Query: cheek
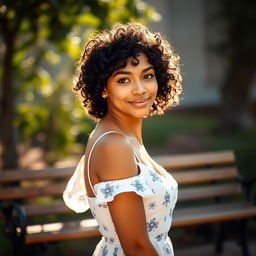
[153, 88]
[117, 95]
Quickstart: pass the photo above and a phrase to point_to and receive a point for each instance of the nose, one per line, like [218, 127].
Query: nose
[138, 88]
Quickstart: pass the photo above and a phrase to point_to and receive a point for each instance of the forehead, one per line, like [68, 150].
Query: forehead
[137, 63]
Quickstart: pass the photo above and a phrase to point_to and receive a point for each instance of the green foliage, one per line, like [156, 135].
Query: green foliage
[49, 37]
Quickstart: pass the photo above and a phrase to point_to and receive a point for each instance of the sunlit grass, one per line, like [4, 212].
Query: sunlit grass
[157, 129]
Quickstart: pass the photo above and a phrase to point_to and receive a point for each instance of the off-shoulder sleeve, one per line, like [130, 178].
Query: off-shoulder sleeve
[74, 195]
[106, 191]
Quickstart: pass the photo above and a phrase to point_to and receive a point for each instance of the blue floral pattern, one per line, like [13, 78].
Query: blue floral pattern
[115, 251]
[138, 185]
[103, 206]
[152, 225]
[168, 250]
[105, 228]
[155, 177]
[159, 237]
[152, 205]
[108, 190]
[166, 198]
[111, 240]
[104, 251]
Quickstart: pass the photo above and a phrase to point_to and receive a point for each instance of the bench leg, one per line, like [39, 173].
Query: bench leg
[18, 249]
[244, 237]
[28, 250]
[220, 235]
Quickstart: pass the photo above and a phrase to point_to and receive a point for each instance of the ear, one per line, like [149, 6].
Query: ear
[104, 94]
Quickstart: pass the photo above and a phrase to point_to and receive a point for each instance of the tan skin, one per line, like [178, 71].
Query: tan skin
[130, 93]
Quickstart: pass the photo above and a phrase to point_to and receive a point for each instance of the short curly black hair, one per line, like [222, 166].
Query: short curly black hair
[109, 50]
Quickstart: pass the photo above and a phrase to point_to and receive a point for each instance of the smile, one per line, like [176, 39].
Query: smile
[139, 102]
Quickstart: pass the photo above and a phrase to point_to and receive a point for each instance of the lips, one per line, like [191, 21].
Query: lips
[139, 102]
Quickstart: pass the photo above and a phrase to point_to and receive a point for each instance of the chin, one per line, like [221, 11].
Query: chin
[142, 114]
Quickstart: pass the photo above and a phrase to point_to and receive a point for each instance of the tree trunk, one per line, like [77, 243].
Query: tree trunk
[9, 155]
[236, 112]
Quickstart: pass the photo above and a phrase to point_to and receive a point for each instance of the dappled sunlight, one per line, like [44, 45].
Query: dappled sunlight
[57, 226]
[88, 223]
[45, 228]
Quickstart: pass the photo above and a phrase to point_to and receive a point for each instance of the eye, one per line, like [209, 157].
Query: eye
[148, 76]
[123, 80]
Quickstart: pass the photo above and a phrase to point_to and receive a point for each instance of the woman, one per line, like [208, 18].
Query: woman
[124, 75]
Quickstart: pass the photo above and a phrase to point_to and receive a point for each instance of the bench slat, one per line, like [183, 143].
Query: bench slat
[195, 193]
[47, 173]
[62, 231]
[28, 192]
[195, 160]
[181, 217]
[204, 175]
[56, 207]
[168, 162]
[213, 213]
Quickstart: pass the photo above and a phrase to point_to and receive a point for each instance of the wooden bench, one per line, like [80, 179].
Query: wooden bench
[210, 191]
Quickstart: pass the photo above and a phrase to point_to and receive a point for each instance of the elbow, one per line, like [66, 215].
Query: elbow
[140, 248]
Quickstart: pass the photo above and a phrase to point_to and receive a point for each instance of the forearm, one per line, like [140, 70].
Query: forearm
[132, 232]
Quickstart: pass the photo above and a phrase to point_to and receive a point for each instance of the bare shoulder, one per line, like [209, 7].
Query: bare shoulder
[113, 141]
[113, 158]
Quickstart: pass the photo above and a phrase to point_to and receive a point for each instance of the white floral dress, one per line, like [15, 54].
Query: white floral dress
[159, 197]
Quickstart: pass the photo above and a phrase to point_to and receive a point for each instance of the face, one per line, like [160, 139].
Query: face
[132, 90]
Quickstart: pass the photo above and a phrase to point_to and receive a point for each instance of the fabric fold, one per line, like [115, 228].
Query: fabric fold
[74, 195]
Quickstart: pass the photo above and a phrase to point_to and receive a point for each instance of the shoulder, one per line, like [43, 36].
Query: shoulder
[113, 158]
[112, 142]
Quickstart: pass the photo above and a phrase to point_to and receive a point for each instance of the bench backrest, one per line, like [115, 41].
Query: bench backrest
[204, 175]
[197, 175]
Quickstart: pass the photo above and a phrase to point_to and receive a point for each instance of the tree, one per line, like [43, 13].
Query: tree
[30, 32]
[239, 47]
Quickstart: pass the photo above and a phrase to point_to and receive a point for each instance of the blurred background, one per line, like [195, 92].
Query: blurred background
[42, 123]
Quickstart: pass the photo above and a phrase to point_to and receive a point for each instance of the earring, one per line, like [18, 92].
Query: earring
[104, 94]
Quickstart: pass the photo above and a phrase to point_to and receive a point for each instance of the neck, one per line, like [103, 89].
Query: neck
[131, 127]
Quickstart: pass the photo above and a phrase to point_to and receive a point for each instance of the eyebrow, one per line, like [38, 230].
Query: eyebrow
[129, 72]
